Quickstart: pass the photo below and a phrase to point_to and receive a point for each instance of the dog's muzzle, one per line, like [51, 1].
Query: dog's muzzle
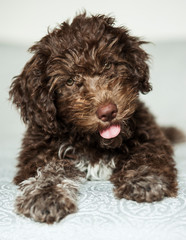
[106, 113]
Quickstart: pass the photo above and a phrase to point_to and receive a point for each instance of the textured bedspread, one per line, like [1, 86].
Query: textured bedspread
[100, 215]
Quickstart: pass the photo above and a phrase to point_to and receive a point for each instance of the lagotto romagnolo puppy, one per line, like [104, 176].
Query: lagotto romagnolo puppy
[79, 97]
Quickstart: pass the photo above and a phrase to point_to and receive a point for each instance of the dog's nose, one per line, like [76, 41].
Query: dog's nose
[107, 112]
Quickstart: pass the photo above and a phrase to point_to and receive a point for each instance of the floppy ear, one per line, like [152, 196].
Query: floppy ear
[30, 93]
[141, 68]
[136, 59]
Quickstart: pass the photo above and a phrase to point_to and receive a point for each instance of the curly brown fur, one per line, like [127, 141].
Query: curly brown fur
[50, 195]
[79, 96]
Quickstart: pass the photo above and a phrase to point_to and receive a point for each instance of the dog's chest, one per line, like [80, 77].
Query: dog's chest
[98, 171]
[101, 170]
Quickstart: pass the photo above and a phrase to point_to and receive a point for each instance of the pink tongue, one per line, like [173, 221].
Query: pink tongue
[110, 132]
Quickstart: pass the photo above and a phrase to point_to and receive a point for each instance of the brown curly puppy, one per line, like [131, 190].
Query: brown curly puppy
[79, 96]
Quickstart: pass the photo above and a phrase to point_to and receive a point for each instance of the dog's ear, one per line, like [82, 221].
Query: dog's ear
[30, 93]
[141, 68]
[137, 59]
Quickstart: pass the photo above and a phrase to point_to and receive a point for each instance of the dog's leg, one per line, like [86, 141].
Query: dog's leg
[148, 174]
[51, 194]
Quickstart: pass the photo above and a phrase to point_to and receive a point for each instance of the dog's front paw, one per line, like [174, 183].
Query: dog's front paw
[142, 186]
[48, 205]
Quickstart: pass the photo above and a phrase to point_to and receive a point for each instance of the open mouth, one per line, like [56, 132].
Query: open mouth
[110, 132]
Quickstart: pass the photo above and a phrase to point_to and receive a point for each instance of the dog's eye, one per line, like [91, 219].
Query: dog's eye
[70, 82]
[107, 65]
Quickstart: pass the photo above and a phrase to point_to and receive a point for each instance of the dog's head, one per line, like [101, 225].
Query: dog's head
[84, 77]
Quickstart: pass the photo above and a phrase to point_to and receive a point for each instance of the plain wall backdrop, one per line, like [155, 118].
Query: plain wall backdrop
[26, 21]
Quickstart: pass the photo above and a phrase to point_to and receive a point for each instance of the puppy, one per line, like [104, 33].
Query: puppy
[79, 97]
